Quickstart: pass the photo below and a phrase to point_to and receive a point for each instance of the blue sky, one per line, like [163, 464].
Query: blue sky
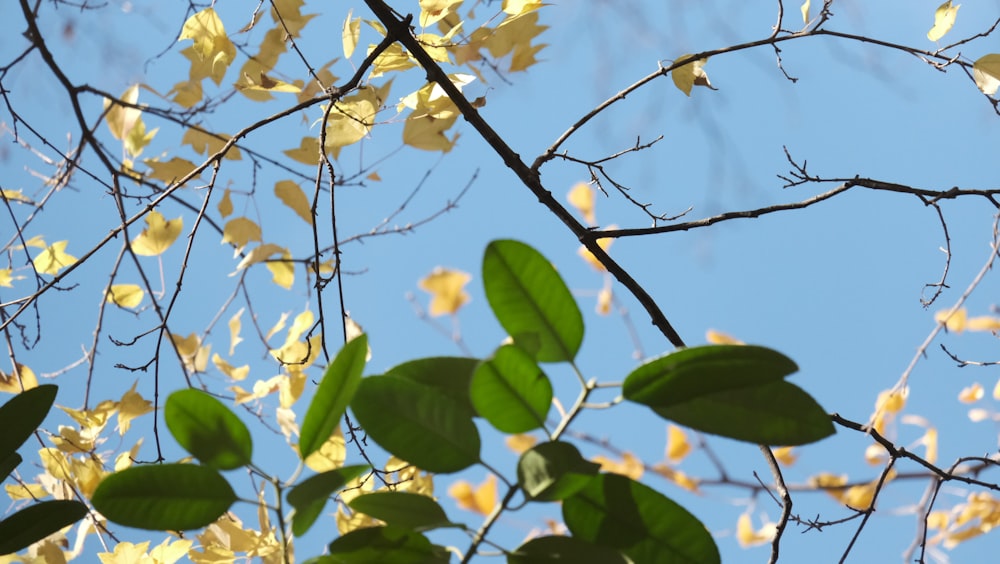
[837, 286]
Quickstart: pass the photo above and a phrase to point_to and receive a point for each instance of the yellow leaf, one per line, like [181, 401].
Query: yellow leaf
[628, 466]
[73, 441]
[677, 477]
[433, 10]
[480, 499]
[124, 460]
[971, 393]
[95, 418]
[785, 455]
[986, 72]
[260, 254]
[690, 75]
[187, 93]
[953, 320]
[350, 121]
[747, 536]
[122, 119]
[307, 153]
[604, 243]
[229, 370]
[350, 34]
[805, 12]
[262, 82]
[158, 235]
[888, 403]
[235, 324]
[168, 552]
[7, 277]
[581, 197]
[331, 455]
[282, 271]
[447, 289]
[719, 338]
[604, 300]
[21, 379]
[518, 7]
[210, 41]
[171, 170]
[944, 19]
[137, 138]
[875, 454]
[239, 231]
[26, 491]
[520, 443]
[292, 196]
[15, 196]
[127, 553]
[277, 327]
[192, 353]
[515, 34]
[125, 295]
[205, 143]
[984, 323]
[132, 405]
[53, 259]
[825, 480]
[677, 444]
[225, 206]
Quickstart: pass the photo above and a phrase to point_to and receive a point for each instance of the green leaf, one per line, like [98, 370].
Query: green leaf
[417, 423]
[450, 375]
[37, 521]
[645, 525]
[166, 497]
[560, 549]
[310, 497]
[511, 391]
[386, 545]
[22, 414]
[208, 429]
[689, 373]
[531, 301]
[333, 395]
[402, 509]
[8, 465]
[553, 471]
[778, 413]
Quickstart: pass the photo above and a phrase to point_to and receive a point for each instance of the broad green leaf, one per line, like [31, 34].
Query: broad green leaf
[310, 497]
[8, 465]
[37, 521]
[553, 471]
[449, 375]
[531, 301]
[645, 525]
[402, 509]
[511, 391]
[166, 497]
[386, 545]
[22, 414]
[417, 423]
[986, 71]
[333, 395]
[208, 430]
[776, 413]
[555, 549]
[693, 372]
[944, 19]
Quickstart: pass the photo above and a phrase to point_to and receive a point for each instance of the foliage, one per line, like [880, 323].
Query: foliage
[244, 137]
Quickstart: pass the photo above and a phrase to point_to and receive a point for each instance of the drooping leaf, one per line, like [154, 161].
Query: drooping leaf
[211, 43]
[22, 414]
[53, 258]
[310, 497]
[350, 34]
[449, 375]
[158, 235]
[417, 423]
[386, 545]
[37, 521]
[689, 75]
[402, 509]
[553, 471]
[775, 413]
[645, 525]
[479, 499]
[292, 196]
[125, 295]
[986, 71]
[944, 19]
[333, 395]
[166, 497]
[554, 549]
[692, 372]
[531, 301]
[208, 429]
[511, 391]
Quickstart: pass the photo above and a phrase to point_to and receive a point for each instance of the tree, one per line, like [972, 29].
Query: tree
[291, 150]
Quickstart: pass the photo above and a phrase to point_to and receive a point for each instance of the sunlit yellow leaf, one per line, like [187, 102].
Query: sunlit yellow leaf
[520, 443]
[677, 477]
[605, 299]
[690, 75]
[121, 119]
[581, 197]
[56, 463]
[427, 132]
[480, 499]
[433, 10]
[239, 231]
[986, 72]
[20, 380]
[168, 552]
[514, 35]
[192, 353]
[95, 418]
[233, 373]
[7, 278]
[825, 480]
[205, 143]
[875, 454]
[278, 326]
[889, 403]
[719, 338]
[953, 320]
[225, 205]
[351, 120]
[518, 7]
[677, 444]
[629, 465]
[350, 34]
[393, 59]
[169, 171]
[75, 441]
[747, 536]
[158, 235]
[447, 289]
[132, 405]
[971, 393]
[53, 259]
[127, 553]
[138, 138]
[262, 82]
[125, 295]
[331, 455]
[25, 491]
[15, 196]
[260, 254]
[282, 271]
[944, 19]
[307, 153]
[604, 243]
[187, 93]
[292, 196]
[983, 323]
[785, 455]
[210, 40]
[125, 459]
